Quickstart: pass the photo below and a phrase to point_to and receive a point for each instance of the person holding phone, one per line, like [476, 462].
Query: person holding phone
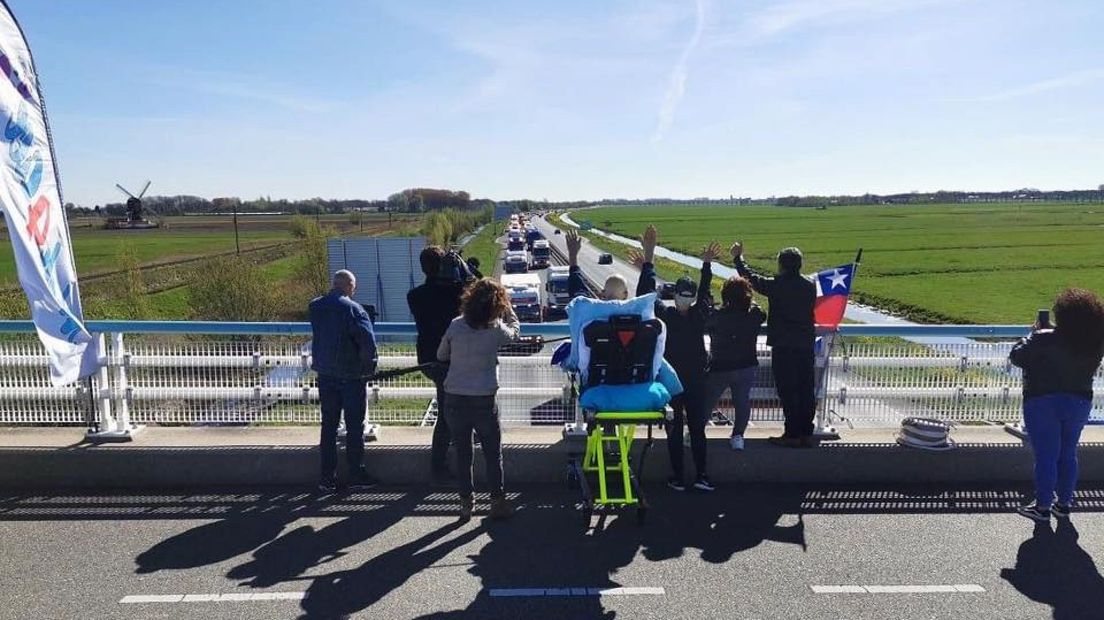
[470, 346]
[1059, 363]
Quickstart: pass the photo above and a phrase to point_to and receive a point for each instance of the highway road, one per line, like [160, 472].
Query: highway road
[745, 551]
[588, 258]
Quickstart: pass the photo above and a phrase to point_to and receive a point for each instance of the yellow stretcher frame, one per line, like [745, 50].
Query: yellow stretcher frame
[617, 428]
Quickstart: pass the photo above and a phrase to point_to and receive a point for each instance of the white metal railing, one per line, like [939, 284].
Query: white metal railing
[211, 374]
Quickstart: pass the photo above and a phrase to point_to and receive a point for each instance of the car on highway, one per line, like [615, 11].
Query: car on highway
[558, 231]
[666, 290]
[605, 259]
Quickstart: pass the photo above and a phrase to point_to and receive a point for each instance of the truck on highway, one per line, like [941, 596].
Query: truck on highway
[525, 295]
[515, 262]
[515, 240]
[541, 254]
[558, 298]
[532, 235]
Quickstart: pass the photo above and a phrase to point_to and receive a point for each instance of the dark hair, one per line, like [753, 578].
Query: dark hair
[789, 260]
[483, 302]
[1079, 315]
[431, 260]
[736, 293]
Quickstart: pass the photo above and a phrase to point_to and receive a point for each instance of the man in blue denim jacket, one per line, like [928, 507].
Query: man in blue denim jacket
[343, 353]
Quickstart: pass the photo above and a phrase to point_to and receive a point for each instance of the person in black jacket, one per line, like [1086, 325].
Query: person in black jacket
[1058, 369]
[791, 335]
[733, 332]
[685, 351]
[434, 305]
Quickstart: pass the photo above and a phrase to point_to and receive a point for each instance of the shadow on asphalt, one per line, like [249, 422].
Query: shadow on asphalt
[1052, 568]
[545, 546]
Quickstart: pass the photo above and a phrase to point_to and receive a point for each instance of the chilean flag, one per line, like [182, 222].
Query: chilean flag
[833, 288]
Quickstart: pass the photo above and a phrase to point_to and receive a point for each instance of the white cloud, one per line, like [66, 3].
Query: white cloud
[677, 86]
[797, 13]
[1070, 80]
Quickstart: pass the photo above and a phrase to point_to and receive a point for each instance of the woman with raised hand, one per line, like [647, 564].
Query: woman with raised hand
[733, 332]
[1058, 365]
[470, 345]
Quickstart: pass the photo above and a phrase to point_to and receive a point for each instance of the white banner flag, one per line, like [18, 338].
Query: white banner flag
[31, 200]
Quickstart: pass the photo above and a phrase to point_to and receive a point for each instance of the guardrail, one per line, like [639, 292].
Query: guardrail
[214, 373]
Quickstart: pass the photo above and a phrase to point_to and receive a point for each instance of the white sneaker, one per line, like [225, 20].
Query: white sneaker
[736, 442]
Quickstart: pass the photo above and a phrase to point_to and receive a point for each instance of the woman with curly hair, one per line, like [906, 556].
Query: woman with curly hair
[470, 345]
[733, 332]
[1058, 365]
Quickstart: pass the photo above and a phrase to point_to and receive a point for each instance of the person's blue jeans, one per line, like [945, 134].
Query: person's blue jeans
[739, 383]
[336, 396]
[479, 414]
[1054, 423]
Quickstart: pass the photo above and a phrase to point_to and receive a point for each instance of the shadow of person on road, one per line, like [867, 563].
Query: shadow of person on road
[303, 548]
[218, 541]
[544, 554]
[343, 593]
[1052, 568]
[722, 525]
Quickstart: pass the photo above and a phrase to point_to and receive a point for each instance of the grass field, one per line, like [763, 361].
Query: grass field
[485, 247]
[97, 250]
[978, 263]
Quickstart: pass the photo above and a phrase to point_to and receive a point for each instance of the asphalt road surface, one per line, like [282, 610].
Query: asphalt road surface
[746, 552]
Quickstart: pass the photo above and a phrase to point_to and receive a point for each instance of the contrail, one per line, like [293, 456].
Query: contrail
[677, 87]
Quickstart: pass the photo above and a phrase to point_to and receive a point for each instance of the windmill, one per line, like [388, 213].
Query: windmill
[134, 209]
[134, 203]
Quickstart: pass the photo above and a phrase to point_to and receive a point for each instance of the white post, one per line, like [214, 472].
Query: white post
[103, 377]
[823, 430]
[121, 363]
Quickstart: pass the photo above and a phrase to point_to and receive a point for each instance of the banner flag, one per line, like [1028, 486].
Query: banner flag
[31, 199]
[833, 290]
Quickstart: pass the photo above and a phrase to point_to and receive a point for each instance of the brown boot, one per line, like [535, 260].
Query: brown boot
[501, 508]
[466, 505]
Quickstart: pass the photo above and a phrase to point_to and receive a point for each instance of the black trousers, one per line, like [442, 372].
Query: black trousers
[689, 412]
[336, 396]
[442, 436]
[794, 379]
[467, 414]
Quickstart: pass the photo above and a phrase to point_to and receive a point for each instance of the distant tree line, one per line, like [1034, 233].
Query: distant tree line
[415, 200]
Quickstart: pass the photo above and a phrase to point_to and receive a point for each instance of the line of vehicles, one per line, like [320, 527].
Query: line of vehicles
[534, 300]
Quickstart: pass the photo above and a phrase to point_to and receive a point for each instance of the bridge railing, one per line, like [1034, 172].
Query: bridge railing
[212, 373]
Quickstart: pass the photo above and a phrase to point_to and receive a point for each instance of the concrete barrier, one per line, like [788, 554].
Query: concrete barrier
[197, 457]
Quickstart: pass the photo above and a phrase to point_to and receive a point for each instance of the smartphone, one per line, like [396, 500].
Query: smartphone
[1043, 320]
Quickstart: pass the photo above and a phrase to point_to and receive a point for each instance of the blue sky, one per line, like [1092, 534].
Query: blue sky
[570, 99]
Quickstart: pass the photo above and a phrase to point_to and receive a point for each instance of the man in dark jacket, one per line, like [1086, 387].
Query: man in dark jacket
[434, 305]
[791, 334]
[343, 353]
[685, 351]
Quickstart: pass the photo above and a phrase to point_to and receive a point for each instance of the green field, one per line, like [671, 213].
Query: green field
[978, 263]
[486, 248]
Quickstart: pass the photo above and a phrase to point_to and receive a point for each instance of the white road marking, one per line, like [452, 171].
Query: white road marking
[531, 592]
[228, 597]
[899, 589]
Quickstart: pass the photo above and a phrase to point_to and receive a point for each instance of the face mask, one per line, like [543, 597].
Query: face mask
[684, 303]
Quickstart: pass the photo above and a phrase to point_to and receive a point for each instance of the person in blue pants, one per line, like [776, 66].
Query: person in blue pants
[1058, 365]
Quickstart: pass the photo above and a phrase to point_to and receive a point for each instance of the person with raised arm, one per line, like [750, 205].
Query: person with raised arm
[685, 351]
[791, 334]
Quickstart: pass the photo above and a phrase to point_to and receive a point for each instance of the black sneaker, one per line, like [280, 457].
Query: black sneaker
[703, 484]
[327, 486]
[676, 484]
[361, 481]
[1061, 510]
[1033, 512]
